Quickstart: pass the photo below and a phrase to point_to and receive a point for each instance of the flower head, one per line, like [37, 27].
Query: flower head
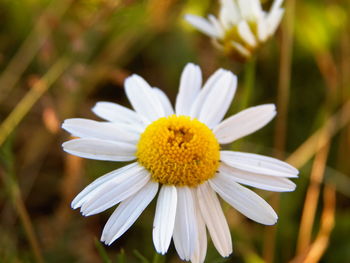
[178, 151]
[242, 25]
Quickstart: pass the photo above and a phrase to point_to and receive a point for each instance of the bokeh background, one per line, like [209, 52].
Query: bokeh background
[59, 57]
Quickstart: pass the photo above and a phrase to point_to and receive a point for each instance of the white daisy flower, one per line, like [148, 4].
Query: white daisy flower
[178, 151]
[242, 25]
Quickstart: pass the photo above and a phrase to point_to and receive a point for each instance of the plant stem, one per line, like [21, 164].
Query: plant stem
[24, 106]
[14, 193]
[249, 83]
[281, 119]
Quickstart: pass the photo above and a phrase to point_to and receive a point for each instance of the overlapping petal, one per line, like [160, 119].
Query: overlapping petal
[127, 213]
[98, 149]
[208, 86]
[185, 230]
[265, 182]
[164, 219]
[202, 243]
[164, 100]
[92, 188]
[142, 98]
[244, 200]
[114, 191]
[85, 128]
[202, 25]
[214, 219]
[217, 99]
[229, 14]
[116, 113]
[190, 85]
[259, 164]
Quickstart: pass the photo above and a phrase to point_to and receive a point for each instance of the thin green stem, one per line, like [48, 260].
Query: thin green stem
[249, 82]
[14, 193]
[102, 252]
[157, 258]
[140, 256]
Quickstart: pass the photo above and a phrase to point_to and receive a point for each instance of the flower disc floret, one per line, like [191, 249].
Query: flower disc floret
[178, 150]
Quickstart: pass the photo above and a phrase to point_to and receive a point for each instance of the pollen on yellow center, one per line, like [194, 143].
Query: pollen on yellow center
[178, 150]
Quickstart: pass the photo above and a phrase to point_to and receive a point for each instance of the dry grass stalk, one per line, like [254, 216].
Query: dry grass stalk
[69, 187]
[320, 244]
[282, 116]
[311, 200]
[17, 201]
[315, 251]
[32, 96]
[29, 48]
[320, 138]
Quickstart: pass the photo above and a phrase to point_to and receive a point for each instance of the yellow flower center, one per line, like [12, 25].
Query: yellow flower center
[178, 150]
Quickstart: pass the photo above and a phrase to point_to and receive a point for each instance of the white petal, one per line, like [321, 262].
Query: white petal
[88, 191]
[164, 100]
[214, 219]
[263, 29]
[201, 247]
[127, 213]
[265, 182]
[274, 19]
[99, 130]
[143, 99]
[243, 51]
[200, 99]
[115, 191]
[244, 123]
[116, 113]
[202, 25]
[250, 9]
[218, 100]
[260, 164]
[229, 13]
[164, 220]
[185, 229]
[246, 34]
[190, 84]
[244, 200]
[276, 4]
[97, 149]
[218, 27]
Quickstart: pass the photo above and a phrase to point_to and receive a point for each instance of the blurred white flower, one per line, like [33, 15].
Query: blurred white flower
[178, 150]
[242, 25]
